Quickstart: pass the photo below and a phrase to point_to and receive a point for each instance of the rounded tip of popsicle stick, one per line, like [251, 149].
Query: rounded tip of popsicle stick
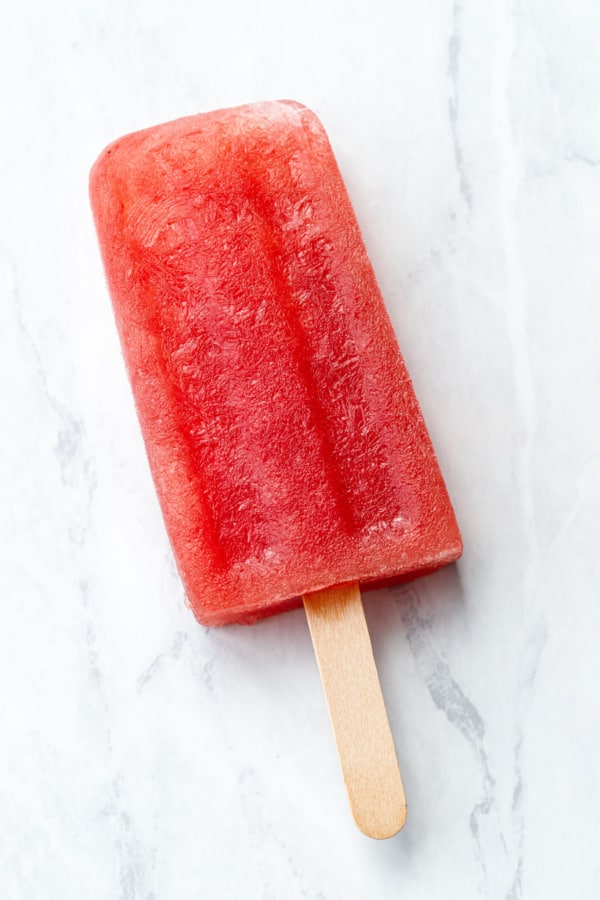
[381, 824]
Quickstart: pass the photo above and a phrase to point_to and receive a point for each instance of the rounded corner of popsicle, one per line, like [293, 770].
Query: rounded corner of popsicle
[302, 109]
[94, 175]
[294, 104]
[453, 553]
[458, 544]
[109, 159]
[99, 168]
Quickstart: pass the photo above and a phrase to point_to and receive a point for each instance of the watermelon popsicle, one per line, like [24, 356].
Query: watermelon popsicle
[288, 450]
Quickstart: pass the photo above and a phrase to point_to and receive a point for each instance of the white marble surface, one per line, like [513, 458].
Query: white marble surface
[143, 757]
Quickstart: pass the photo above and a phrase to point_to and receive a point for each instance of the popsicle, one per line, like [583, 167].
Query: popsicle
[288, 450]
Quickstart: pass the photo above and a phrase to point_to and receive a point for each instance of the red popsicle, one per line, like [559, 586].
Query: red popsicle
[284, 437]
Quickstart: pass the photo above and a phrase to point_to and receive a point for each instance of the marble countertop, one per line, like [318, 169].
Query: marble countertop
[143, 757]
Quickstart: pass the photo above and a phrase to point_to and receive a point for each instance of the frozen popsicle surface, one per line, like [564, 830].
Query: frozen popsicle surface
[283, 433]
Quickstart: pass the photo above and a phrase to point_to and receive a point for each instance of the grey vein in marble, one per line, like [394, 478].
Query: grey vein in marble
[582, 158]
[174, 651]
[530, 663]
[526, 411]
[450, 699]
[68, 450]
[261, 831]
[454, 47]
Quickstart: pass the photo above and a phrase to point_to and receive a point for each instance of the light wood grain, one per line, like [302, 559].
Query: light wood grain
[360, 724]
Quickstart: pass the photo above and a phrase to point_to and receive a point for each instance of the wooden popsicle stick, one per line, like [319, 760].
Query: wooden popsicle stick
[360, 724]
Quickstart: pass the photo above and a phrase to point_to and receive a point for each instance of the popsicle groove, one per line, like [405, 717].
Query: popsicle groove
[320, 428]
